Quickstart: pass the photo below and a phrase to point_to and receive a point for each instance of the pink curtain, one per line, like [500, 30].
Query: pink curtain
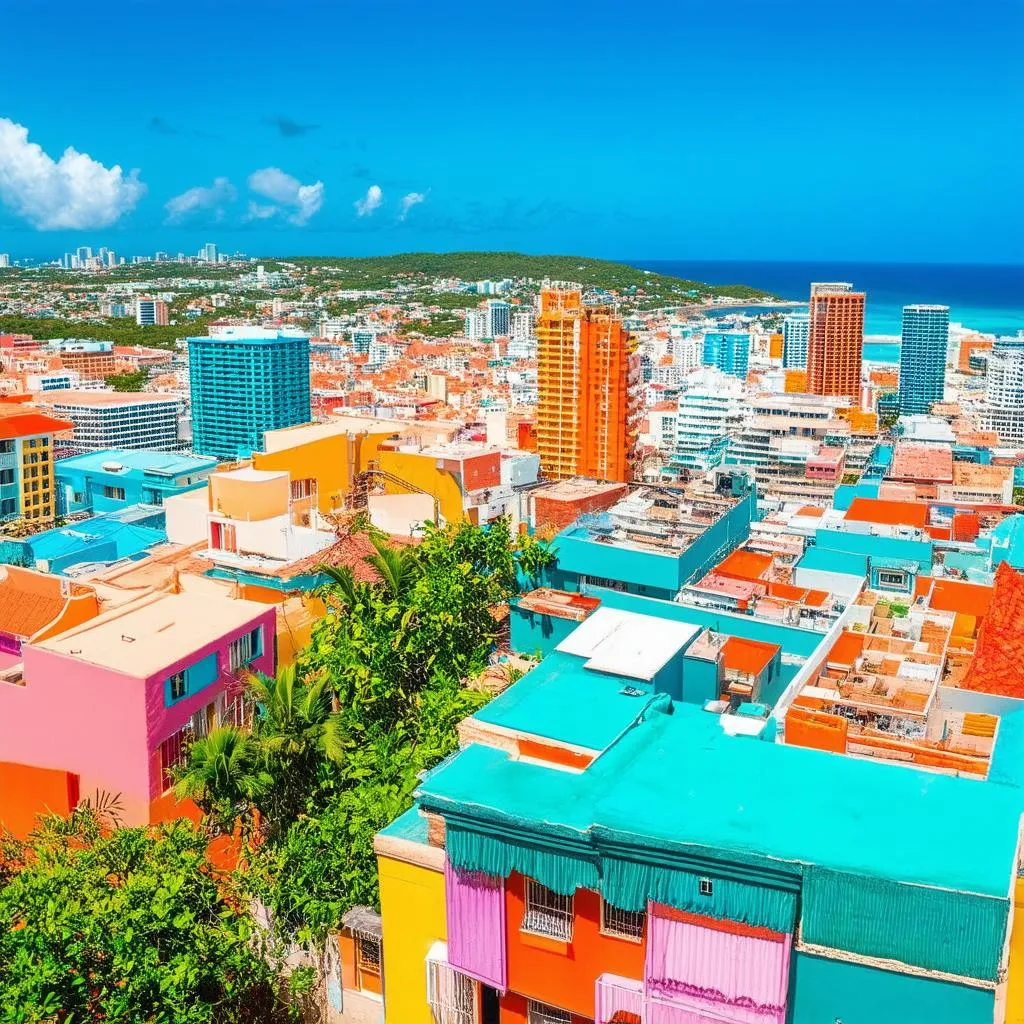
[475, 905]
[613, 994]
[736, 978]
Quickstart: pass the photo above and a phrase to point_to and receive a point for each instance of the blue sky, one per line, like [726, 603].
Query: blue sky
[699, 129]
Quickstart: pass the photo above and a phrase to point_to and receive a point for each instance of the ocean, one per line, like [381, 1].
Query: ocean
[986, 298]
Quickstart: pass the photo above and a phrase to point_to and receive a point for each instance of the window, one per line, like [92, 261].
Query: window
[541, 1013]
[706, 887]
[624, 924]
[368, 962]
[8, 507]
[6, 476]
[451, 994]
[243, 650]
[177, 686]
[547, 913]
[232, 710]
[116, 493]
[302, 488]
[891, 579]
[173, 752]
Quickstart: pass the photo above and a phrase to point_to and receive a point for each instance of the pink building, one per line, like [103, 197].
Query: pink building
[114, 702]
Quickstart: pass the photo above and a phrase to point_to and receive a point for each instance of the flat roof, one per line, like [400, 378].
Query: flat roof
[679, 783]
[254, 475]
[147, 637]
[171, 463]
[562, 700]
[70, 397]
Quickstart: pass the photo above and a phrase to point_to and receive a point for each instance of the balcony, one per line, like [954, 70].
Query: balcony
[618, 1000]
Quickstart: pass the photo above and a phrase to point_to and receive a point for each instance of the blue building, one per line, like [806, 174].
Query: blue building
[244, 382]
[796, 328]
[650, 543]
[728, 350]
[925, 338]
[113, 479]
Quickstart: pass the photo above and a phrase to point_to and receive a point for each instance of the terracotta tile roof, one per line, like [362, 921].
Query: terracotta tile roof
[26, 610]
[998, 658]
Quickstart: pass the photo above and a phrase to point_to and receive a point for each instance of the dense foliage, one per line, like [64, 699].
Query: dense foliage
[119, 330]
[128, 381]
[127, 925]
[381, 271]
[340, 739]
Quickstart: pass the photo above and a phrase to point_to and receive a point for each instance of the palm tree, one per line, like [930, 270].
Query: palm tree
[343, 584]
[399, 568]
[223, 772]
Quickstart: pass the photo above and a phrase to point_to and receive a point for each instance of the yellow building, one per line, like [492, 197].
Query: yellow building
[412, 910]
[26, 466]
[1015, 979]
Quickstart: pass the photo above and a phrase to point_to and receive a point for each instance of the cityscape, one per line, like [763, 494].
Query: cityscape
[514, 517]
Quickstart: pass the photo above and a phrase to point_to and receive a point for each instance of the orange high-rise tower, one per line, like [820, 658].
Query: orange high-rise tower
[587, 397]
[835, 340]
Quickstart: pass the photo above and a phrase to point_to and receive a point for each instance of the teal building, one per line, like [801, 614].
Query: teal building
[244, 382]
[114, 479]
[925, 338]
[729, 351]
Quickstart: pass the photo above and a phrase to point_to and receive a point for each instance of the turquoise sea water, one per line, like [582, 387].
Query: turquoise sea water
[985, 298]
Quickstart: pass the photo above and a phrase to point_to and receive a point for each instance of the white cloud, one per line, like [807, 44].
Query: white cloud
[409, 201]
[213, 197]
[303, 201]
[73, 192]
[373, 198]
[261, 211]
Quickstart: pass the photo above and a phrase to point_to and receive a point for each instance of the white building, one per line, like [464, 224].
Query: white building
[710, 413]
[105, 419]
[476, 324]
[796, 328]
[1003, 409]
[523, 321]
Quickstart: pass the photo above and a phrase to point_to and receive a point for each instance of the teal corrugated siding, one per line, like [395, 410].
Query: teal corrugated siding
[937, 929]
[560, 871]
[630, 885]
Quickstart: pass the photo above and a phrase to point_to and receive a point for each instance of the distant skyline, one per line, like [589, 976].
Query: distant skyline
[675, 130]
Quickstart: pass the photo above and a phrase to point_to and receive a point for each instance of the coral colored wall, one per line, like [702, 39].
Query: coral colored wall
[413, 911]
[27, 792]
[565, 974]
[514, 1010]
[106, 726]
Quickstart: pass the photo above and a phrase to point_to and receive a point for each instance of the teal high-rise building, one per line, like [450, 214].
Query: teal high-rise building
[925, 338]
[244, 382]
[728, 350]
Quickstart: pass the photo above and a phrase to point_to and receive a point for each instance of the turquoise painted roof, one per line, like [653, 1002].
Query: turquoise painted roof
[679, 783]
[834, 561]
[411, 826]
[561, 700]
[172, 463]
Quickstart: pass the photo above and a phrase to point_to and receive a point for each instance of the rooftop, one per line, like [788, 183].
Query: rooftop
[154, 633]
[930, 463]
[103, 398]
[160, 463]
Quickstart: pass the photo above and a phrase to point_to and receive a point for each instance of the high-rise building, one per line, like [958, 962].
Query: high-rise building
[498, 314]
[795, 328]
[729, 351]
[1003, 409]
[151, 312]
[709, 415]
[5, 260]
[244, 382]
[105, 419]
[588, 376]
[522, 324]
[835, 340]
[84, 254]
[925, 338]
[476, 324]
[209, 252]
[26, 466]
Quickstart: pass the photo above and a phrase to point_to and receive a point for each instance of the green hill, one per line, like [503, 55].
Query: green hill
[382, 271]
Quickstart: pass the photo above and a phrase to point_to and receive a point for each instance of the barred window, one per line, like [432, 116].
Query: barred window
[624, 924]
[547, 913]
[706, 887]
[451, 994]
[541, 1013]
[368, 954]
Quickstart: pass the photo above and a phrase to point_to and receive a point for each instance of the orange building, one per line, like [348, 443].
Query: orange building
[588, 404]
[836, 340]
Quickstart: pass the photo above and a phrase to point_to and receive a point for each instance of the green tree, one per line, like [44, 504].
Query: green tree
[128, 925]
[224, 774]
[128, 381]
